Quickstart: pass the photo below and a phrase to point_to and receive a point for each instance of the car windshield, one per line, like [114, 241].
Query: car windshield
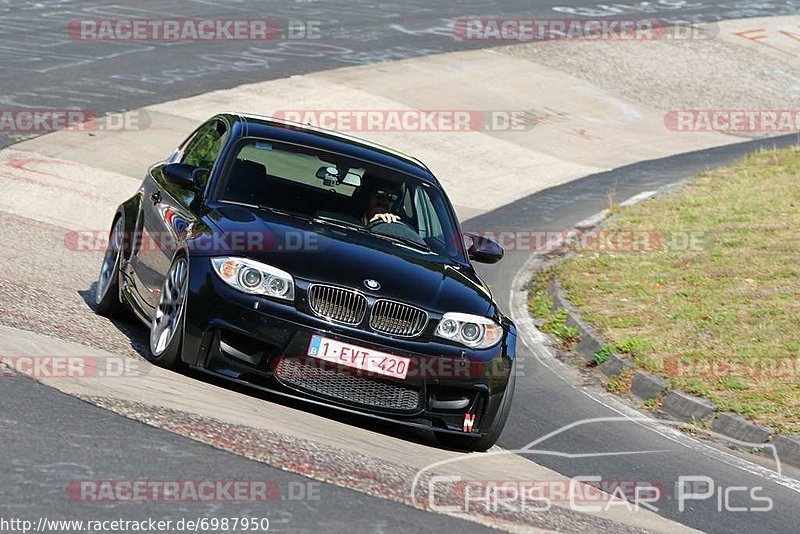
[386, 204]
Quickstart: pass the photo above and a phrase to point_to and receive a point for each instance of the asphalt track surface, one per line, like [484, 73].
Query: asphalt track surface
[546, 402]
[41, 67]
[49, 437]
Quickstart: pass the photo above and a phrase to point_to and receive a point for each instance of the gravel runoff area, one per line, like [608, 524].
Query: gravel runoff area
[41, 273]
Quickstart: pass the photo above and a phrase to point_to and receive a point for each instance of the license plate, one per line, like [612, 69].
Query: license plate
[362, 358]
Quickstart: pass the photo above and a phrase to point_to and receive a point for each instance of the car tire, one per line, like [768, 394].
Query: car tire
[166, 328]
[485, 442]
[107, 298]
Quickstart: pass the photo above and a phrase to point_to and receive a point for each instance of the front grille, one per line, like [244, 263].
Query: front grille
[337, 304]
[397, 319]
[346, 387]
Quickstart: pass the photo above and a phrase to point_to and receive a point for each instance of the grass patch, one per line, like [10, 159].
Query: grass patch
[620, 383]
[556, 324]
[651, 404]
[695, 427]
[715, 276]
[603, 354]
[540, 305]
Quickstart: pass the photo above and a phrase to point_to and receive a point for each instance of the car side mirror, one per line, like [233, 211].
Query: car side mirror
[483, 249]
[184, 175]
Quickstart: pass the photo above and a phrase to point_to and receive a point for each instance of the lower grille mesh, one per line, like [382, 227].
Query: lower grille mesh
[346, 387]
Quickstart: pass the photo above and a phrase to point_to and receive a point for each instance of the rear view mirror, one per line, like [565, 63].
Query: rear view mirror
[483, 249]
[329, 175]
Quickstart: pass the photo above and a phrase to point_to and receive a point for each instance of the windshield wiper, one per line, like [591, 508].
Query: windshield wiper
[284, 212]
[340, 224]
[364, 230]
[267, 208]
[403, 241]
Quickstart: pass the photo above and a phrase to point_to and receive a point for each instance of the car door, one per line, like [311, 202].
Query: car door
[168, 210]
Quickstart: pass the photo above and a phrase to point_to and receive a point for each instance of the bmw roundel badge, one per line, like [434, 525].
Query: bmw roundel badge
[372, 284]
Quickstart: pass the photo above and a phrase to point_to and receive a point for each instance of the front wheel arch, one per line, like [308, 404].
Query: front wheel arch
[132, 214]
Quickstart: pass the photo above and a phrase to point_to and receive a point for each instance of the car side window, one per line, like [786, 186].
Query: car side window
[203, 150]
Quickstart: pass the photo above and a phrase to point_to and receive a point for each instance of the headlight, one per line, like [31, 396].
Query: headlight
[254, 277]
[470, 330]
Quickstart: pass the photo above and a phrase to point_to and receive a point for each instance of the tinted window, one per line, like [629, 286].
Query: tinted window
[205, 146]
[315, 184]
[300, 168]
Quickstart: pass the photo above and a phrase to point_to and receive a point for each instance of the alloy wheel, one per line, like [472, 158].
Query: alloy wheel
[168, 315]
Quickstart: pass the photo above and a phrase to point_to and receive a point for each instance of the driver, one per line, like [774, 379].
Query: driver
[378, 202]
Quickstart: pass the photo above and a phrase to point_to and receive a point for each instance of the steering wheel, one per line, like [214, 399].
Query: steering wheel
[377, 222]
[396, 229]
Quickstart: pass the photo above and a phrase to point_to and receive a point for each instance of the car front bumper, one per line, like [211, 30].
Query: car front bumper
[264, 343]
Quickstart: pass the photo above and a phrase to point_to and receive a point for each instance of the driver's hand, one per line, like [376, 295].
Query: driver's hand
[386, 217]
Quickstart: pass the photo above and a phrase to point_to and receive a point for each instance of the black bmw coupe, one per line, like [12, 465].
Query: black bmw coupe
[316, 266]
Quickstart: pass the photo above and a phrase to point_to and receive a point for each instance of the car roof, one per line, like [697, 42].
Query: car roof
[329, 140]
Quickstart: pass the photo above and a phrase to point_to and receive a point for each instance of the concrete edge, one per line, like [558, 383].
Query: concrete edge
[615, 364]
[787, 447]
[647, 386]
[688, 408]
[734, 425]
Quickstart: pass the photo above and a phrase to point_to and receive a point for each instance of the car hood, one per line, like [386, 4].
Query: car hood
[317, 252]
